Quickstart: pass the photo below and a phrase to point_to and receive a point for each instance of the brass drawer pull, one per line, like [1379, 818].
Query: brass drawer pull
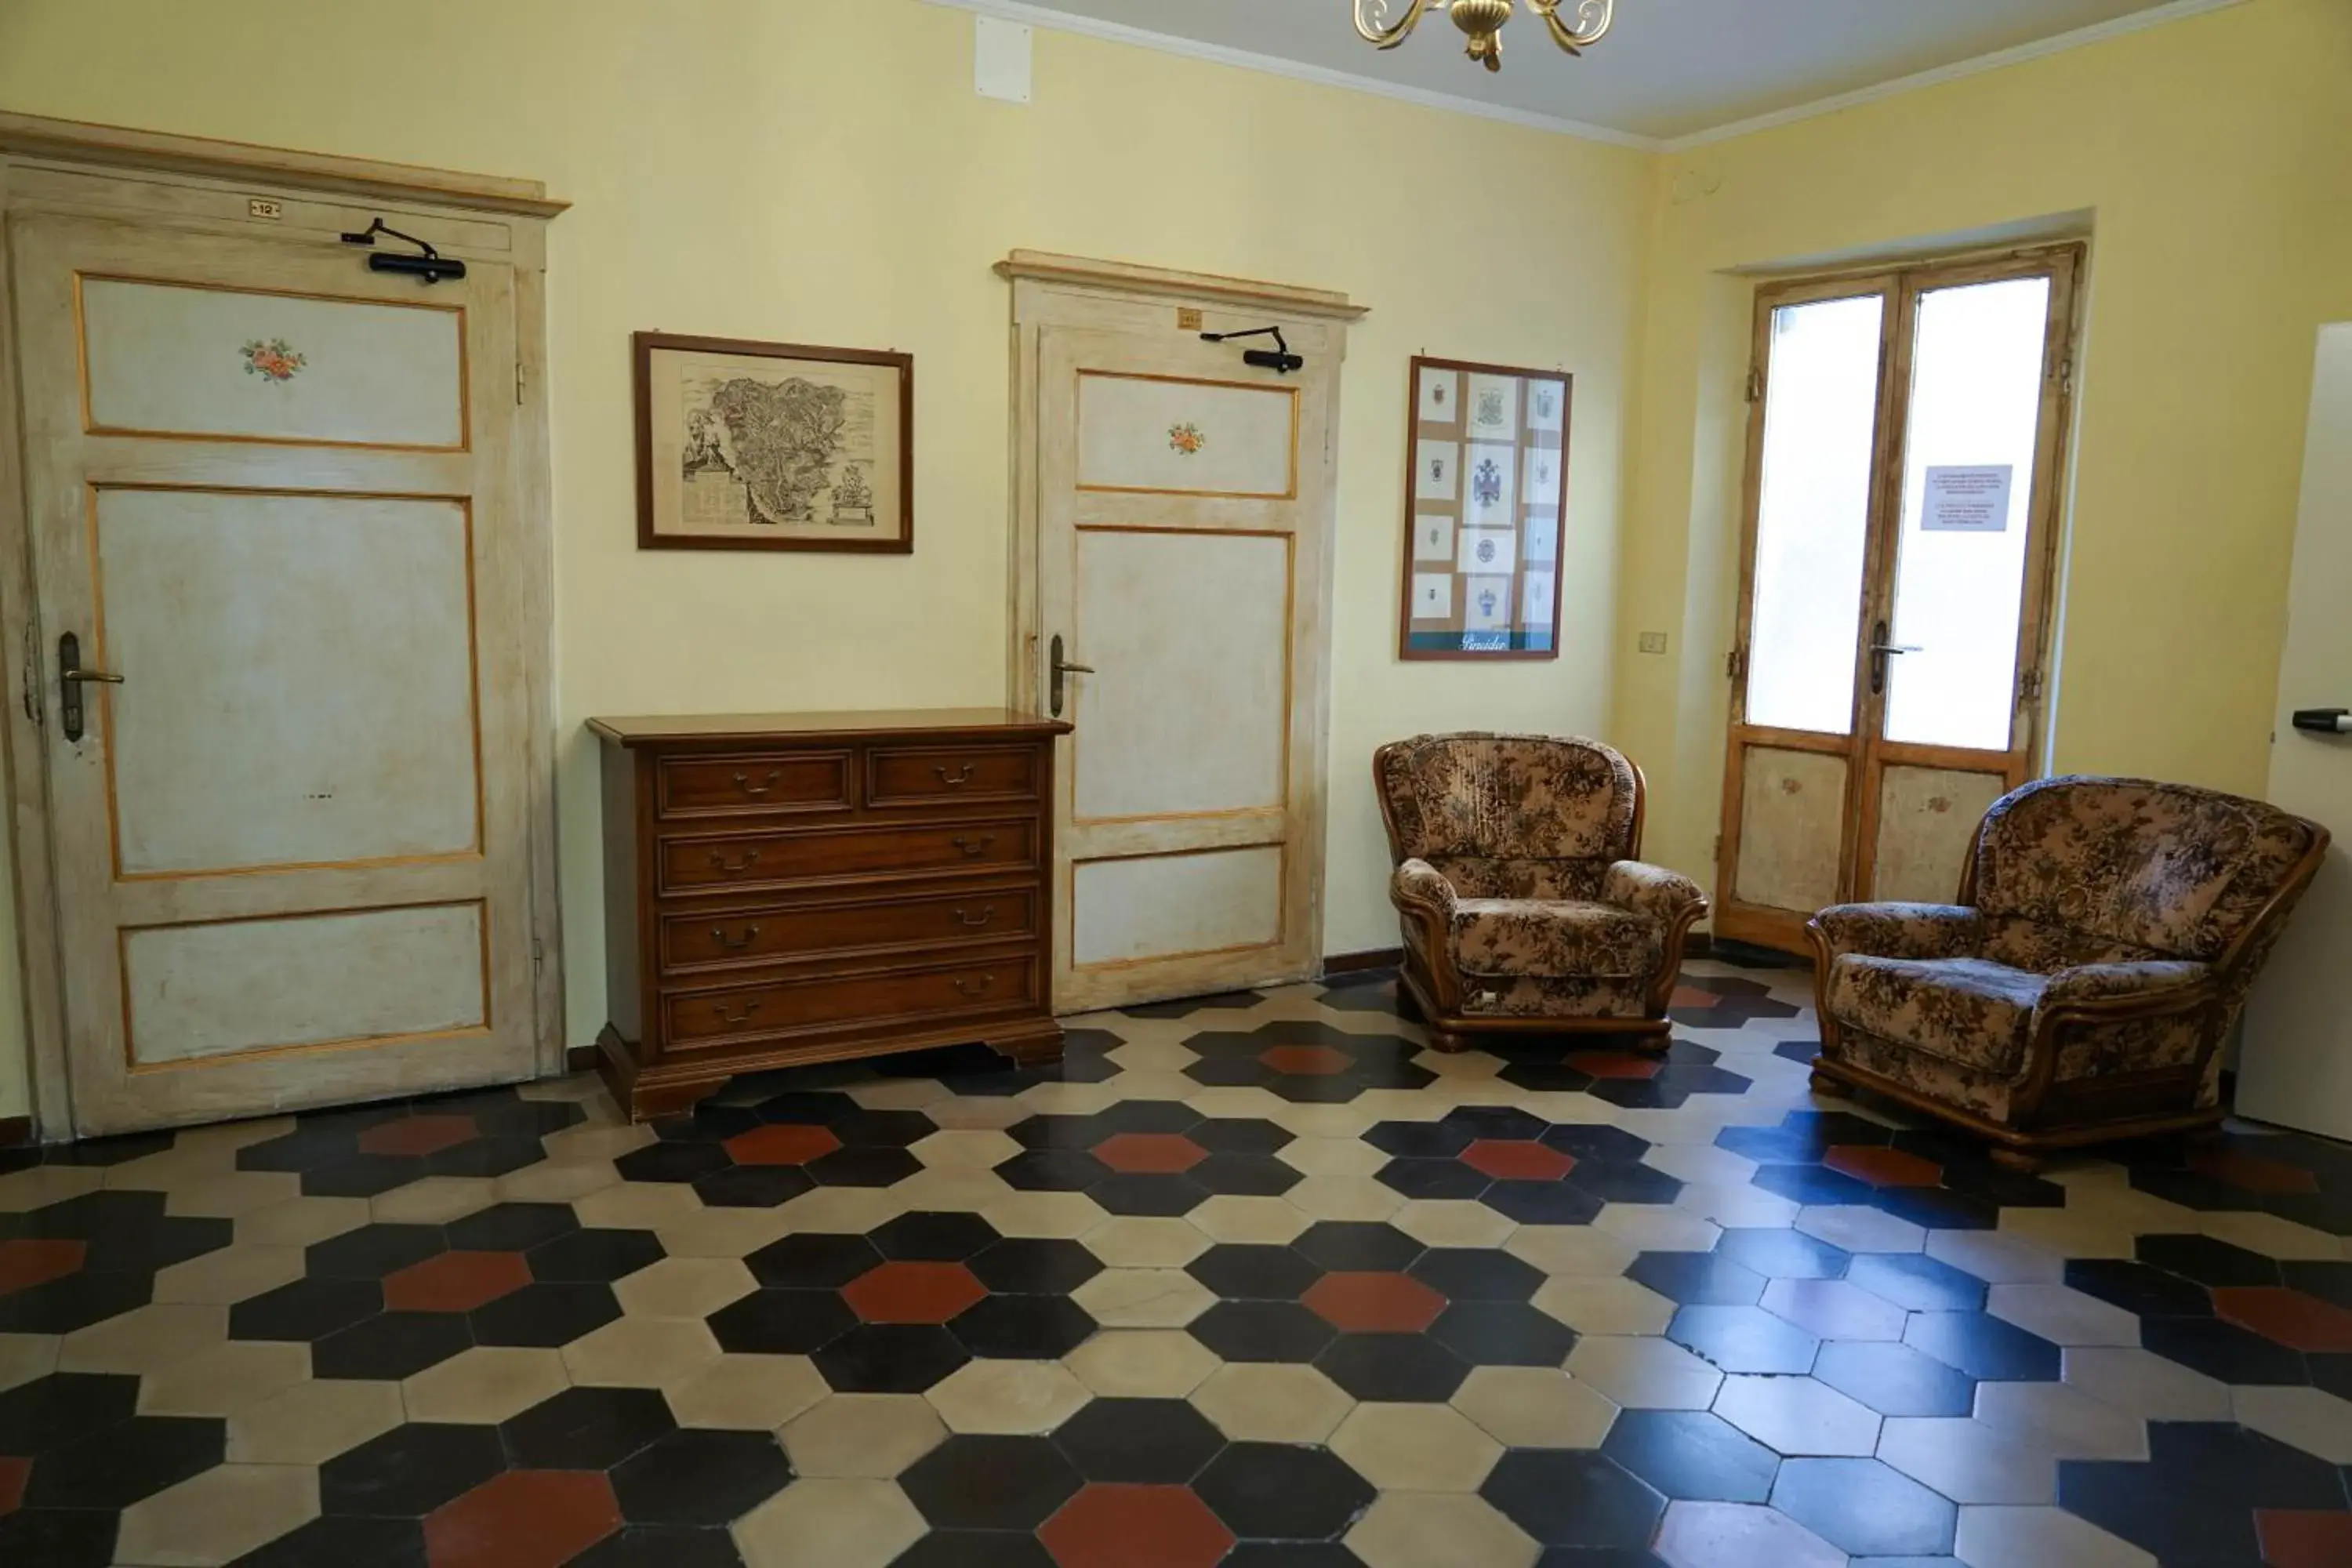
[973, 848]
[726, 1017]
[987, 913]
[969, 989]
[735, 944]
[733, 867]
[957, 780]
[743, 782]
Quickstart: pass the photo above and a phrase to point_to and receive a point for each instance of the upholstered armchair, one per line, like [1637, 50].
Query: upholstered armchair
[2105, 935]
[1523, 904]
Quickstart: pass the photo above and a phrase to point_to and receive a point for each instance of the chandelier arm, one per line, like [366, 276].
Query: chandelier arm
[1593, 18]
[1373, 23]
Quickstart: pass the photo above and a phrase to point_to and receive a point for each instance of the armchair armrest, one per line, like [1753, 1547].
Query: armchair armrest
[1899, 931]
[2156, 986]
[1419, 887]
[1652, 890]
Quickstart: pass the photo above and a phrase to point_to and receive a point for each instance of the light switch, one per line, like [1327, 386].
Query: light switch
[999, 59]
[1653, 642]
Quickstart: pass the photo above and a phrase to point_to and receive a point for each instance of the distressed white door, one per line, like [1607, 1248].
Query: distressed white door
[265, 489]
[1183, 560]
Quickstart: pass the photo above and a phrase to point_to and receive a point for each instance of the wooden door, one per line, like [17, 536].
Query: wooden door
[1183, 560]
[1905, 457]
[268, 488]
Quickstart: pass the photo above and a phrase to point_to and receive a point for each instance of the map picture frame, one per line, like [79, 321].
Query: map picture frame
[1485, 510]
[742, 445]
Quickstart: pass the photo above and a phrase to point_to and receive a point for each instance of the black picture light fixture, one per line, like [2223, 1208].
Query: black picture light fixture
[429, 266]
[1279, 359]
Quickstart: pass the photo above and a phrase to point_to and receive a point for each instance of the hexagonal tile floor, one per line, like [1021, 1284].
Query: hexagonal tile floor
[1253, 1280]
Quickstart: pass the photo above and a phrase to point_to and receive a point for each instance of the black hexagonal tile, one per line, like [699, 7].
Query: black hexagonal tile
[1567, 1498]
[1274, 1491]
[977, 1482]
[1262, 1332]
[1476, 1274]
[585, 1428]
[890, 1358]
[1895, 1379]
[410, 1470]
[1254, 1273]
[782, 1322]
[1022, 1327]
[1393, 1367]
[1503, 1333]
[1745, 1338]
[117, 1465]
[1035, 1266]
[391, 1346]
[700, 1477]
[594, 1254]
[1865, 1508]
[1692, 1456]
[1356, 1246]
[549, 1313]
[1160, 1442]
[932, 1237]
[1698, 1278]
[814, 1261]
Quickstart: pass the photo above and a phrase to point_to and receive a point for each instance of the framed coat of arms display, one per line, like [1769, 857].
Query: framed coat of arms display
[1486, 507]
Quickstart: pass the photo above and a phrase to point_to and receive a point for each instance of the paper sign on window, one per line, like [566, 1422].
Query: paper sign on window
[1973, 500]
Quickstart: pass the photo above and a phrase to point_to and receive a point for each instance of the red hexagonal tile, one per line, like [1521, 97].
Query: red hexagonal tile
[523, 1518]
[1692, 996]
[783, 1143]
[24, 1264]
[1614, 1064]
[1306, 1061]
[1159, 1152]
[454, 1281]
[2290, 1317]
[12, 1483]
[1517, 1159]
[1127, 1526]
[418, 1135]
[2251, 1171]
[2297, 1537]
[1374, 1304]
[1883, 1167]
[912, 1292]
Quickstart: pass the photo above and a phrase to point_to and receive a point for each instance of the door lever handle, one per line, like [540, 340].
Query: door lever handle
[1056, 666]
[71, 678]
[1897, 647]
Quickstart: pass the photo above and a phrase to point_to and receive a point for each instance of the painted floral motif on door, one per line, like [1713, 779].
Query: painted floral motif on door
[274, 360]
[1187, 438]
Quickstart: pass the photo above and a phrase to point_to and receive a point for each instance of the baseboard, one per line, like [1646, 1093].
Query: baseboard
[15, 1132]
[579, 1058]
[1698, 944]
[1356, 963]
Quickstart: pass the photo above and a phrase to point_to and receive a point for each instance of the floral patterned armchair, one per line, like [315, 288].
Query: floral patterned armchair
[1523, 905]
[2107, 933]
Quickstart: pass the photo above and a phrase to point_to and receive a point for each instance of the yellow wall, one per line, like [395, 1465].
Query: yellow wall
[824, 173]
[2216, 154]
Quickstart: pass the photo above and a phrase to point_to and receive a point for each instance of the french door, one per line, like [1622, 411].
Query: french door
[1905, 443]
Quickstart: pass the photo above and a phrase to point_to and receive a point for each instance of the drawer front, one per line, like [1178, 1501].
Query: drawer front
[933, 775]
[751, 785]
[781, 860]
[767, 935]
[912, 992]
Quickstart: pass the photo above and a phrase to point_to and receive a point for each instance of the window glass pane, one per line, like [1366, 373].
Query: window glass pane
[1813, 514]
[1976, 406]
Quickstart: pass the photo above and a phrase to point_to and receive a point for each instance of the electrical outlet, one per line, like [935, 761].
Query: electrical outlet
[1653, 642]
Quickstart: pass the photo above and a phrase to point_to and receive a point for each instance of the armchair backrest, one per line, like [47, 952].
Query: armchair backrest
[1508, 798]
[2129, 868]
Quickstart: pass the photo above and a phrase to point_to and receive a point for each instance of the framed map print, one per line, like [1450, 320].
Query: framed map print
[747, 445]
[1486, 507]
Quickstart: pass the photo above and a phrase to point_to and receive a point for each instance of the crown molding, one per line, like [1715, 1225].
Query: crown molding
[1296, 70]
[2097, 32]
[1129, 277]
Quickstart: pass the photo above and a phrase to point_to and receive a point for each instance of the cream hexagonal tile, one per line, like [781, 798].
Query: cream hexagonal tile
[1700, 1162]
[1438, 1529]
[1008, 1397]
[222, 1379]
[949, 1189]
[1535, 1407]
[2065, 1420]
[1153, 1056]
[2064, 1234]
[1059, 1216]
[2039, 1538]
[1068, 1098]
[977, 1113]
[1272, 1402]
[1415, 1447]
[1142, 1364]
[554, 1182]
[38, 1186]
[2142, 1383]
[829, 1523]
[1344, 1198]
[218, 1515]
[1235, 1103]
[1453, 1221]
[485, 1384]
[2062, 1316]
[1859, 1229]
[234, 1273]
[683, 1287]
[1728, 1204]
[1575, 1249]
[722, 1233]
[2271, 1235]
[863, 1435]
[1998, 1257]
[146, 1339]
[648, 1205]
[1131, 1241]
[1350, 1121]
[1261, 1220]
[310, 1422]
[225, 1194]
[1642, 1373]
[1834, 1310]
[1133, 1085]
[2311, 1419]
[590, 1143]
[1969, 1462]
[1797, 1415]
[970, 1148]
[842, 1211]
[897, 1093]
[434, 1200]
[1144, 1297]
[1737, 1535]
[1332, 1156]
[1658, 1227]
[1604, 1306]
[641, 1352]
[744, 1392]
[299, 1222]
[24, 1357]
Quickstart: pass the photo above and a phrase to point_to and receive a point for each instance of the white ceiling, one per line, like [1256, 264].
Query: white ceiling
[1671, 68]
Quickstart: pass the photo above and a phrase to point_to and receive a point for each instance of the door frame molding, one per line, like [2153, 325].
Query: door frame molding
[1051, 290]
[212, 188]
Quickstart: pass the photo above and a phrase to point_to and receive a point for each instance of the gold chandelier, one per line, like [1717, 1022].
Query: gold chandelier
[1482, 21]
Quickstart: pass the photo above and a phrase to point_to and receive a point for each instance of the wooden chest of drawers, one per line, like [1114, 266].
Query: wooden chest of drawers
[798, 888]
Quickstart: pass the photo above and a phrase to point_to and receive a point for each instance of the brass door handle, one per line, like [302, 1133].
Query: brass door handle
[1897, 647]
[734, 944]
[71, 678]
[973, 848]
[1056, 666]
[734, 868]
[743, 782]
[78, 675]
[969, 989]
[961, 778]
[726, 1017]
[987, 913]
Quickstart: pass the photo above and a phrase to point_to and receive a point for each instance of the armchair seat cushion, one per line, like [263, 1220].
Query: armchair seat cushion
[1555, 938]
[1970, 1011]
